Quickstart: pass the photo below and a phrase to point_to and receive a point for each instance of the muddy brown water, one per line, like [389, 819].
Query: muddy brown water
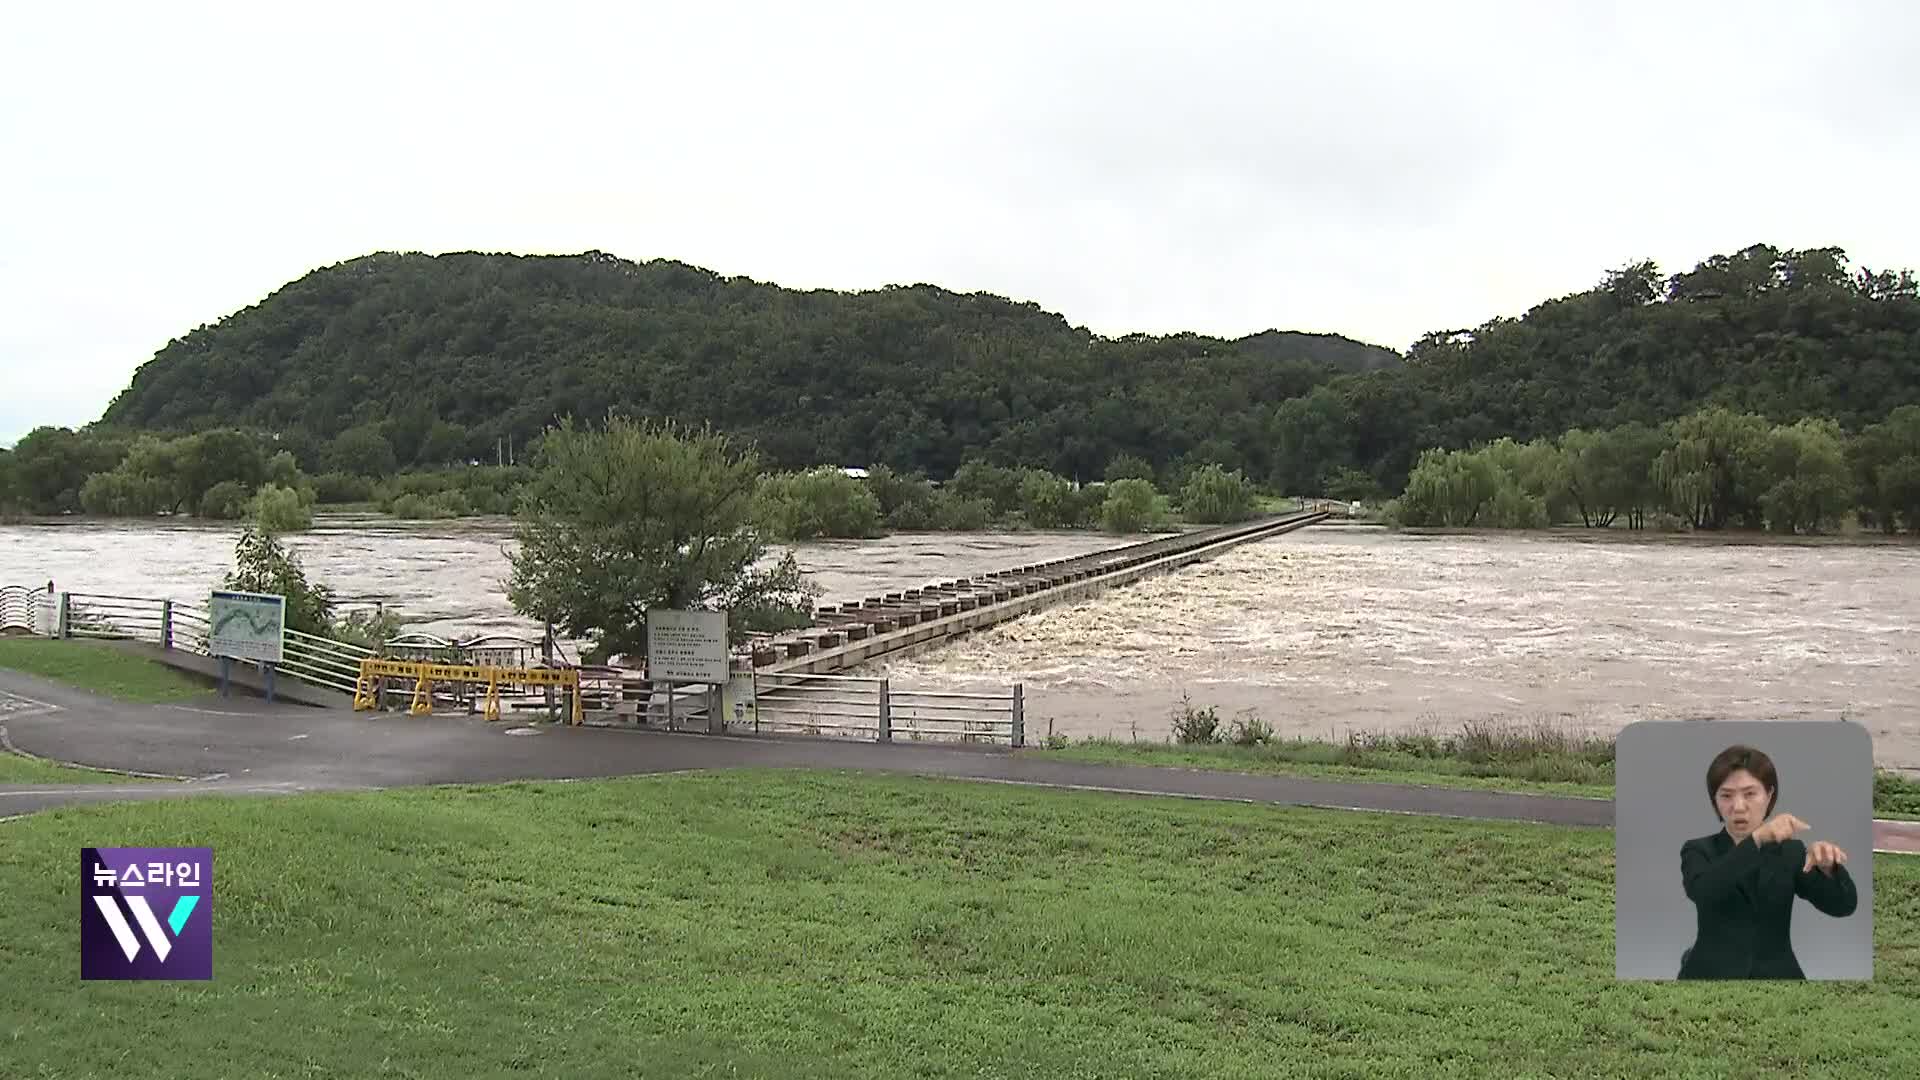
[1320, 631]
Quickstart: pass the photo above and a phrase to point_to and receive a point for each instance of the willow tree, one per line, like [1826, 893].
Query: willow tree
[638, 515]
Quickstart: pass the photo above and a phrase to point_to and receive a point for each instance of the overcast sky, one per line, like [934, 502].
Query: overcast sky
[1377, 170]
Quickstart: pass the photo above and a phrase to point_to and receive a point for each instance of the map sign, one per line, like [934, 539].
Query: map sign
[687, 646]
[247, 626]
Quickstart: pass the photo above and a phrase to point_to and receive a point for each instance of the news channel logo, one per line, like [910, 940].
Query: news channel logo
[146, 913]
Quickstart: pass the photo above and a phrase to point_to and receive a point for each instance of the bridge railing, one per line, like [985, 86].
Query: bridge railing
[820, 704]
[99, 615]
[863, 706]
[311, 658]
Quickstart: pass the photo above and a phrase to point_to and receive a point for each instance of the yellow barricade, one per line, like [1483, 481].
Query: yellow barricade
[424, 675]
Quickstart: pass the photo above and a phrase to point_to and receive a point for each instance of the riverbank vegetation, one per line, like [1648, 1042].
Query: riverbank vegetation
[231, 475]
[1507, 756]
[1711, 469]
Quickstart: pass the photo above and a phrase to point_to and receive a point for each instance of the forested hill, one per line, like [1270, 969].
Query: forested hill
[452, 354]
[444, 357]
[1332, 350]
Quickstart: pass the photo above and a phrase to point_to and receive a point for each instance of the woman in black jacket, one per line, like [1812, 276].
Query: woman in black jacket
[1743, 879]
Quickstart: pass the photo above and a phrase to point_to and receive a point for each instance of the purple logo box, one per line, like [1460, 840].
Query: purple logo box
[146, 913]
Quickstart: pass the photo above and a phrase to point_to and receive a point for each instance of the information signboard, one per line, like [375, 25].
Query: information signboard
[247, 626]
[687, 646]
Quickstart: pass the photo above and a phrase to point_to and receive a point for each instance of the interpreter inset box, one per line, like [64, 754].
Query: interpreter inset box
[1743, 850]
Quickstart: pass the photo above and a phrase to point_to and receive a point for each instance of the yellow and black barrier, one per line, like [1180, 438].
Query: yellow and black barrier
[366, 693]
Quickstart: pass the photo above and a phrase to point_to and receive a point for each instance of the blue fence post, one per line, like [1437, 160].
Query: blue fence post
[166, 624]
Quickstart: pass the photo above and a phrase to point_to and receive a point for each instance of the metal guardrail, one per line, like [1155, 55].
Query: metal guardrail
[872, 707]
[321, 661]
[820, 704]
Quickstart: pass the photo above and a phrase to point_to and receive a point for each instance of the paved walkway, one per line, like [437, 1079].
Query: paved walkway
[243, 746]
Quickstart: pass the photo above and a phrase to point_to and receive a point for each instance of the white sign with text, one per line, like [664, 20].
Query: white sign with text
[687, 646]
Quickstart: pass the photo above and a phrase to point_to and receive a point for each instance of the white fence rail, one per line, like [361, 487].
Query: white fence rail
[308, 657]
[874, 708]
[783, 702]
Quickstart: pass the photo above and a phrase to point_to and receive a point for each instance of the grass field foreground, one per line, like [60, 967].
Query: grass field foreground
[775, 924]
[100, 667]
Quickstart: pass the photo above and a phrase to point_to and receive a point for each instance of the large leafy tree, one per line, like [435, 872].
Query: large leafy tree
[637, 515]
[1886, 469]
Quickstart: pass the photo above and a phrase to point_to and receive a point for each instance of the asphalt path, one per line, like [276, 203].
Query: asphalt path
[245, 746]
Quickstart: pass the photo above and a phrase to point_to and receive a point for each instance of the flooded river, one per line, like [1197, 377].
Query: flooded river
[1320, 631]
[449, 578]
[1337, 629]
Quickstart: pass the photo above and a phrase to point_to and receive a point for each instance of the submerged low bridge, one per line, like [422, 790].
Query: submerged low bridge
[900, 624]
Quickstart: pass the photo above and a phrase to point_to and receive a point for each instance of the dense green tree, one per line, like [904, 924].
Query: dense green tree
[906, 499]
[284, 469]
[1312, 439]
[281, 510]
[953, 512]
[637, 515]
[1539, 472]
[337, 487]
[1213, 495]
[997, 485]
[443, 444]
[203, 460]
[51, 465]
[1451, 488]
[1885, 462]
[362, 451]
[124, 493]
[1046, 499]
[1128, 466]
[1131, 505]
[822, 502]
[226, 500]
[1712, 469]
[1811, 488]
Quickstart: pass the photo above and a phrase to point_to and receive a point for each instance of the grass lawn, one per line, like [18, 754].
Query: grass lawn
[773, 924]
[101, 668]
[21, 769]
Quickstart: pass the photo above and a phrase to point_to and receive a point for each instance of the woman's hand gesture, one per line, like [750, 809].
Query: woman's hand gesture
[1823, 855]
[1778, 828]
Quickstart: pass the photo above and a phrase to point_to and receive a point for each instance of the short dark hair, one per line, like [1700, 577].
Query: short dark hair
[1732, 760]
